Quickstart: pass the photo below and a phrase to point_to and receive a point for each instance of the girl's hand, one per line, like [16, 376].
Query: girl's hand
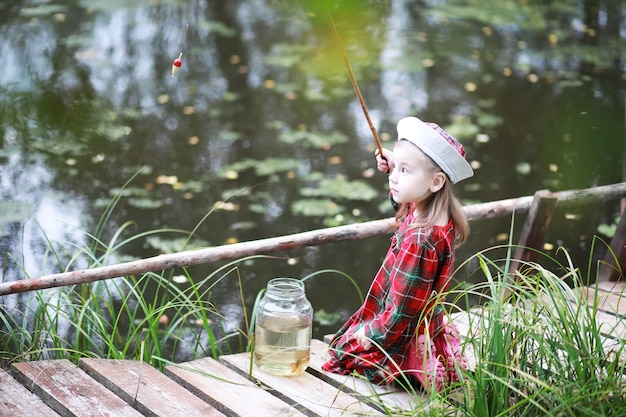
[361, 339]
[384, 162]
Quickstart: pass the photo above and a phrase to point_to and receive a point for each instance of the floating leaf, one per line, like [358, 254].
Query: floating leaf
[341, 188]
[258, 208]
[316, 208]
[266, 167]
[243, 225]
[324, 318]
[488, 121]
[217, 28]
[235, 192]
[226, 206]
[112, 132]
[608, 230]
[192, 186]
[129, 192]
[523, 168]
[228, 136]
[313, 139]
[145, 203]
[288, 55]
[228, 171]
[462, 127]
[174, 245]
[167, 179]
[275, 165]
[42, 10]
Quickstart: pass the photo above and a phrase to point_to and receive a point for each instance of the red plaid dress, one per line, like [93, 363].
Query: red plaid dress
[408, 330]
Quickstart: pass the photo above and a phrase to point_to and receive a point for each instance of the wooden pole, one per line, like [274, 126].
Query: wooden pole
[533, 234]
[615, 258]
[203, 256]
[355, 84]
[535, 228]
[282, 243]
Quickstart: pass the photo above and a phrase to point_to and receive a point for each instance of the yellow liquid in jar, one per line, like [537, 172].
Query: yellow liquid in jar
[284, 353]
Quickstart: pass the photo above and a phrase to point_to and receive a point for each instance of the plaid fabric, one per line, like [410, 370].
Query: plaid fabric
[398, 304]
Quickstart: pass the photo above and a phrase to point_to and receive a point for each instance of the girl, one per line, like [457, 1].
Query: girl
[401, 328]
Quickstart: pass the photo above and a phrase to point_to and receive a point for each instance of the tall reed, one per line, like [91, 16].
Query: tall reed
[148, 317]
[540, 344]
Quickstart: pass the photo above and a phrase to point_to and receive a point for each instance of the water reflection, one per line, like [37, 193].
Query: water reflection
[41, 212]
[88, 101]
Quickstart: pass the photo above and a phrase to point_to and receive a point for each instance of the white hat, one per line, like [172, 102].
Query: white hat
[446, 151]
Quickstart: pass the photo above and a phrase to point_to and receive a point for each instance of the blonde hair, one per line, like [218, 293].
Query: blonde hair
[443, 201]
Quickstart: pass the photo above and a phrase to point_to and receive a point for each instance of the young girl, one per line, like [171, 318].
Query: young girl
[401, 329]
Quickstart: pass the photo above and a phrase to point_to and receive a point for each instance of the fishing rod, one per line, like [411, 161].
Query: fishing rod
[355, 84]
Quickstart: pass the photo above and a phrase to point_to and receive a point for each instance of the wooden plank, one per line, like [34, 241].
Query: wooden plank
[318, 397]
[610, 302]
[613, 287]
[70, 391]
[608, 307]
[17, 401]
[615, 293]
[227, 390]
[146, 389]
[376, 396]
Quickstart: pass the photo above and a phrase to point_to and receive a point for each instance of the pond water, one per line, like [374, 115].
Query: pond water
[260, 134]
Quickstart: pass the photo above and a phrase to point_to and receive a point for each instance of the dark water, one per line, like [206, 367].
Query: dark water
[260, 133]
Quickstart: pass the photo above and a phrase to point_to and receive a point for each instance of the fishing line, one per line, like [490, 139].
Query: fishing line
[176, 63]
[354, 82]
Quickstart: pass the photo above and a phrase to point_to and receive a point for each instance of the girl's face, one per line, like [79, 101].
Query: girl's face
[414, 176]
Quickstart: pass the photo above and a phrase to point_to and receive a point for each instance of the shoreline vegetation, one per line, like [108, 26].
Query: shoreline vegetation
[535, 351]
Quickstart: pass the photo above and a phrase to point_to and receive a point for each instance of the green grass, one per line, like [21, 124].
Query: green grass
[147, 317]
[538, 349]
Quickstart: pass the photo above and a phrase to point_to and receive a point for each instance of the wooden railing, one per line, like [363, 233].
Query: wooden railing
[536, 224]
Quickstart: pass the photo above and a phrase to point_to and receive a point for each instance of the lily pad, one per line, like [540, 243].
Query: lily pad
[266, 167]
[313, 139]
[42, 10]
[325, 318]
[341, 189]
[288, 55]
[316, 208]
[217, 28]
[174, 245]
[129, 192]
[608, 230]
[146, 203]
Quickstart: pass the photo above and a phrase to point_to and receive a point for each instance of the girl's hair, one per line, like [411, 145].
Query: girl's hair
[443, 201]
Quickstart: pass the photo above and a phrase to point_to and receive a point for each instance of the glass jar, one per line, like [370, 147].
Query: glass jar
[282, 333]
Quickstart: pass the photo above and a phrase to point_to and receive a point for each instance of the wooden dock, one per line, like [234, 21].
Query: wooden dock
[208, 387]
[203, 387]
